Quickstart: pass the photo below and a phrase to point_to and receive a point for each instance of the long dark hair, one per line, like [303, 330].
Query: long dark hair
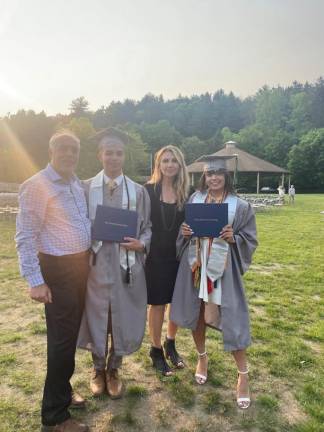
[228, 187]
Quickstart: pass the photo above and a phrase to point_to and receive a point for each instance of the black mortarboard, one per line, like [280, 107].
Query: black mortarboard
[111, 132]
[215, 163]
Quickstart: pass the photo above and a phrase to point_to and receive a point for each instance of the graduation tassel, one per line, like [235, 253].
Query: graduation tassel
[128, 275]
[197, 276]
[128, 271]
[94, 258]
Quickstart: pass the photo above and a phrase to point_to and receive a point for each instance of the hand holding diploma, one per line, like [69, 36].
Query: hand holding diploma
[133, 244]
[227, 234]
[186, 230]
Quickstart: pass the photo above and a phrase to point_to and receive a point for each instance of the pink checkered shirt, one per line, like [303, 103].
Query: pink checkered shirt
[52, 218]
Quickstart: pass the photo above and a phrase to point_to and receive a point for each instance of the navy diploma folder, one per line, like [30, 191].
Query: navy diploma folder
[114, 224]
[206, 220]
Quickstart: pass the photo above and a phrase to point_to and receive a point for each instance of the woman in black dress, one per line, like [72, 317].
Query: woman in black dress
[168, 190]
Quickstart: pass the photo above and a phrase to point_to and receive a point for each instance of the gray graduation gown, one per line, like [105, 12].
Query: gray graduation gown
[106, 289]
[185, 304]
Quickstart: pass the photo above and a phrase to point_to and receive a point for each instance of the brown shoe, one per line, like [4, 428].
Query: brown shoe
[77, 401]
[98, 382]
[69, 425]
[114, 384]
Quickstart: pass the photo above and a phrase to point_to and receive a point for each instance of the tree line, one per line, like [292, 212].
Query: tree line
[284, 125]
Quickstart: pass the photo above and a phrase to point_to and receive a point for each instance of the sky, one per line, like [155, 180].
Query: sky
[52, 52]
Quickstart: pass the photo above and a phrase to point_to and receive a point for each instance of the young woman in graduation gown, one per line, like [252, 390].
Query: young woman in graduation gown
[168, 191]
[209, 286]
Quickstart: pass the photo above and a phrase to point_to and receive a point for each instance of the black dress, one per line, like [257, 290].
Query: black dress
[161, 265]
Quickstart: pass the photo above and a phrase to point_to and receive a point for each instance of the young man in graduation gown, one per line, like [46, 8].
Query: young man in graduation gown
[116, 294]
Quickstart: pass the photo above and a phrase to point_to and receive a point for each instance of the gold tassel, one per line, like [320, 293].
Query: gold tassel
[196, 276]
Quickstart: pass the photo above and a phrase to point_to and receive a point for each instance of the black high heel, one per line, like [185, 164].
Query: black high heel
[172, 354]
[159, 362]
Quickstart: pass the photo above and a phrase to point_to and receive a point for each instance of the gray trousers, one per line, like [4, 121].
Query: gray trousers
[112, 362]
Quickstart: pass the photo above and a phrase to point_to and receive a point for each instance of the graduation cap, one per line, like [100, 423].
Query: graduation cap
[215, 162]
[113, 133]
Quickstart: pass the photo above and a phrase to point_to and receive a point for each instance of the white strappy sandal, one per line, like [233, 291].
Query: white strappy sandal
[201, 379]
[243, 402]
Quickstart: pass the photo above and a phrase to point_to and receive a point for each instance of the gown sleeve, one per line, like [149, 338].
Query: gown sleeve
[145, 233]
[245, 235]
[182, 242]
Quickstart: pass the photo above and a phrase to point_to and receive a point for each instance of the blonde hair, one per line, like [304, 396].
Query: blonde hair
[181, 180]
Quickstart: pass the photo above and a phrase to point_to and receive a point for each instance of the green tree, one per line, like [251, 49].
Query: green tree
[226, 111]
[120, 113]
[306, 162]
[228, 135]
[100, 118]
[88, 164]
[159, 134]
[300, 117]
[150, 109]
[317, 92]
[272, 109]
[24, 138]
[79, 107]
[250, 139]
[82, 127]
[137, 158]
[277, 147]
[193, 147]
[267, 124]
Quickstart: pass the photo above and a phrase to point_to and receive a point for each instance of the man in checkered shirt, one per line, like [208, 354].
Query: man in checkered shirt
[53, 240]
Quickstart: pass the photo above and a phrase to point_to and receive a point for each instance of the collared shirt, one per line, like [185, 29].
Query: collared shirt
[52, 218]
[118, 179]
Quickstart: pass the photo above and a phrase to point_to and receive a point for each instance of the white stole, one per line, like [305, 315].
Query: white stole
[213, 264]
[96, 198]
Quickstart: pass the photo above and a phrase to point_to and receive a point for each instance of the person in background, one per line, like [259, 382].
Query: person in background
[53, 241]
[168, 191]
[281, 192]
[292, 193]
[116, 294]
[210, 276]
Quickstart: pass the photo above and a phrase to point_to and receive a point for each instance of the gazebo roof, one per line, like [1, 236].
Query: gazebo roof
[246, 162]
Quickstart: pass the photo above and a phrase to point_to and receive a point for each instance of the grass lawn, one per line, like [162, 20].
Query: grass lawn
[285, 290]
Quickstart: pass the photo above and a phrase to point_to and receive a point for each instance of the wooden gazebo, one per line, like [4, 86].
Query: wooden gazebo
[244, 162]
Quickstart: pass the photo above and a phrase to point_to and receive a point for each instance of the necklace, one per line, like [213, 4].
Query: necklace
[163, 216]
[211, 199]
